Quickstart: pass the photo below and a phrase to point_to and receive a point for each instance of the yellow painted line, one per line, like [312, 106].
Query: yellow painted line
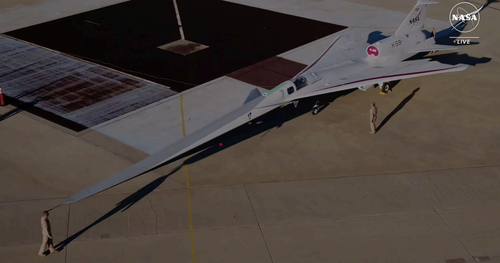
[187, 185]
[453, 108]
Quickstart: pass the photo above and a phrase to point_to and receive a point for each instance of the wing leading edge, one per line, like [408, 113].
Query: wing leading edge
[227, 123]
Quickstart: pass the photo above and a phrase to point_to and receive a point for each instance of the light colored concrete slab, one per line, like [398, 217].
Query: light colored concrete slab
[460, 188]
[20, 223]
[234, 244]
[16, 14]
[23, 254]
[213, 207]
[87, 216]
[407, 237]
[334, 198]
[174, 247]
[478, 229]
[149, 129]
[114, 146]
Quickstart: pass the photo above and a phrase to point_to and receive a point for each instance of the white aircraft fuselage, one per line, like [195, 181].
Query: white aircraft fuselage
[384, 52]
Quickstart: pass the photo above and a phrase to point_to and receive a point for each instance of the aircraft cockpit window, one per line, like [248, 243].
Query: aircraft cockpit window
[290, 90]
[300, 82]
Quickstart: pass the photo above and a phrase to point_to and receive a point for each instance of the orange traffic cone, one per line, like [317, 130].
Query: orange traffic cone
[2, 102]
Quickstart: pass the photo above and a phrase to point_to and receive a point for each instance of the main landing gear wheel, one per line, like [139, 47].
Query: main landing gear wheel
[386, 87]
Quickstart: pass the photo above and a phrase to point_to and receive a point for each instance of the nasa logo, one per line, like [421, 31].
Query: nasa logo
[464, 11]
[414, 20]
[371, 50]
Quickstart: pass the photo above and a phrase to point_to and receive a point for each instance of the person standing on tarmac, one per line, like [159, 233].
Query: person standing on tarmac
[47, 235]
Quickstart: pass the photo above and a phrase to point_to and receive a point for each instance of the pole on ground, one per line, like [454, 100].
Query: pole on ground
[178, 19]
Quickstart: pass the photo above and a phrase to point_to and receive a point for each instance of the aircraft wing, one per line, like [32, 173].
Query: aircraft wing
[227, 123]
[342, 50]
[368, 75]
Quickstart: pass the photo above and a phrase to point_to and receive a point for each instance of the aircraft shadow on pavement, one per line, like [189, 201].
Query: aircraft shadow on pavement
[121, 206]
[455, 58]
[398, 108]
[275, 118]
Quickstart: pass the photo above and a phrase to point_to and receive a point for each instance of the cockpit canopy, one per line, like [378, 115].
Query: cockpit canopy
[300, 82]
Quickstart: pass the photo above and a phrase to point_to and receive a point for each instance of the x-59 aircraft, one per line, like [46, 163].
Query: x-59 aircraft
[345, 64]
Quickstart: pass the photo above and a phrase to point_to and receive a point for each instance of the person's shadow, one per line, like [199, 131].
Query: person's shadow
[398, 108]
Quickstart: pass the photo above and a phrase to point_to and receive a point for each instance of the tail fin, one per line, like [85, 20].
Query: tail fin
[416, 19]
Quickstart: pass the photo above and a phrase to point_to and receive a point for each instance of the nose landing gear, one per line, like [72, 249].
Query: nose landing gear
[318, 107]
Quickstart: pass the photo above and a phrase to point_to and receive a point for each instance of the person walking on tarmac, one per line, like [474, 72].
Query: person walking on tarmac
[373, 118]
[47, 235]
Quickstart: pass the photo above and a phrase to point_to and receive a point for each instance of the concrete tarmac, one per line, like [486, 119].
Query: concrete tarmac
[320, 188]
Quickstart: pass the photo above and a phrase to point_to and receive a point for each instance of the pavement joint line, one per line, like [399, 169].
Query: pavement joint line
[156, 213]
[191, 231]
[442, 219]
[134, 236]
[243, 226]
[247, 226]
[67, 235]
[345, 217]
[258, 223]
[269, 182]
